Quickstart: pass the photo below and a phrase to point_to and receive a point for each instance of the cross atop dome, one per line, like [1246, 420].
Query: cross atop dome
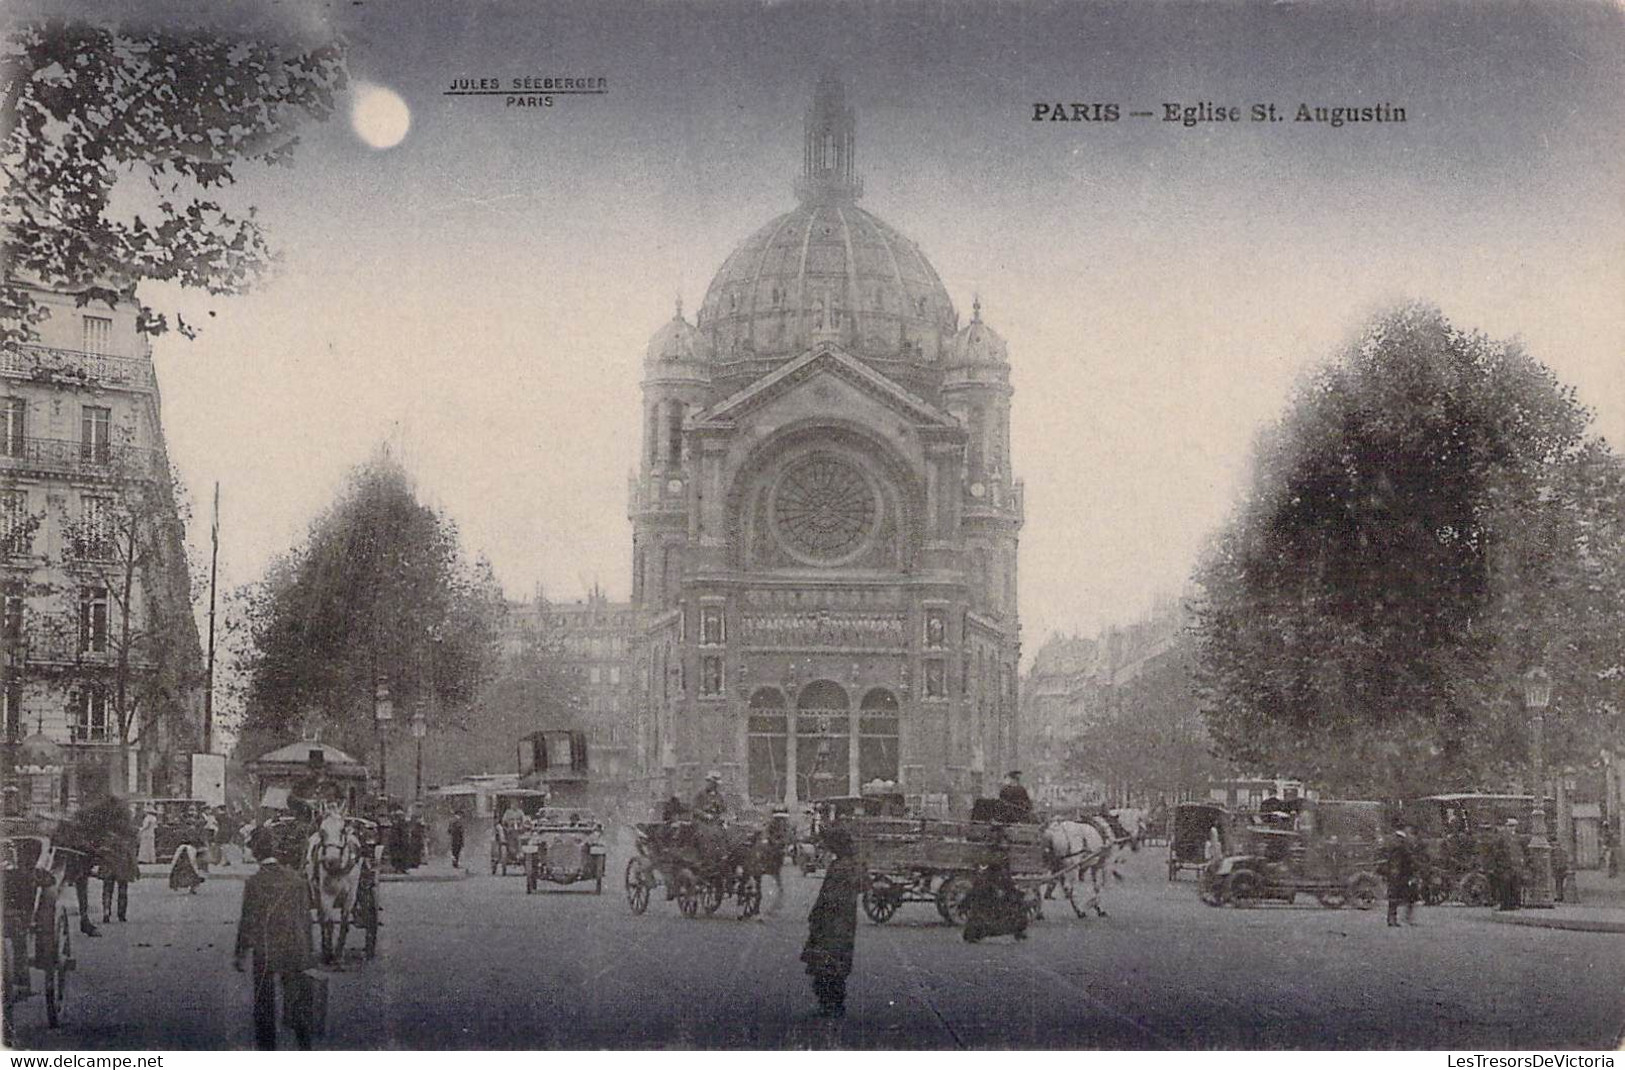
[829, 166]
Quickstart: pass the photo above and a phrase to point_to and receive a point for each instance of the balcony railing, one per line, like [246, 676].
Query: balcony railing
[27, 361]
[70, 457]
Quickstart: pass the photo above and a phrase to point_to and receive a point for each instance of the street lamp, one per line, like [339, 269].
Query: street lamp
[382, 710]
[1537, 693]
[420, 728]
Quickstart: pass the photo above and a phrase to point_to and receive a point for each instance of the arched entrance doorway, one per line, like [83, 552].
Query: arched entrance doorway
[877, 737]
[823, 741]
[767, 746]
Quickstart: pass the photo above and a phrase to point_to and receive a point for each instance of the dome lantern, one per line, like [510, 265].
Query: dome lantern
[829, 156]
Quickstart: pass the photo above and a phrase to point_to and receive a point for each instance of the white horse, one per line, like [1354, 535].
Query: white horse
[333, 865]
[1082, 852]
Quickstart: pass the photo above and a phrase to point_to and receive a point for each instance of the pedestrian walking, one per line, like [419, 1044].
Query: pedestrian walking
[147, 840]
[184, 875]
[275, 927]
[1399, 866]
[118, 869]
[455, 831]
[832, 926]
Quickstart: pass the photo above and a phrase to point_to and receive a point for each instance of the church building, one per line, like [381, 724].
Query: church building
[824, 517]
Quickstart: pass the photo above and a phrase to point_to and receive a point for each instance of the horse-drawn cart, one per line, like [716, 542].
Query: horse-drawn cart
[922, 860]
[37, 932]
[701, 865]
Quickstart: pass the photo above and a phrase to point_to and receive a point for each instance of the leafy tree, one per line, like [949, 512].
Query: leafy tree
[378, 596]
[1427, 521]
[94, 120]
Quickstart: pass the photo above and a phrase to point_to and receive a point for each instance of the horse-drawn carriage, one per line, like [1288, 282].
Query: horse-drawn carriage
[341, 862]
[1330, 852]
[1198, 832]
[36, 926]
[563, 847]
[702, 864]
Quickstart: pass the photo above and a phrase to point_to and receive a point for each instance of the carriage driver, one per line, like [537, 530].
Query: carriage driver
[709, 805]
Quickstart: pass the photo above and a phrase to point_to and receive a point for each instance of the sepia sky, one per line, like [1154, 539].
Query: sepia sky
[481, 294]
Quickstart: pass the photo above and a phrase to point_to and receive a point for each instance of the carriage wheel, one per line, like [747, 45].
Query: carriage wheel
[750, 897]
[56, 971]
[951, 897]
[711, 894]
[1243, 888]
[1474, 890]
[1364, 891]
[638, 884]
[688, 897]
[880, 901]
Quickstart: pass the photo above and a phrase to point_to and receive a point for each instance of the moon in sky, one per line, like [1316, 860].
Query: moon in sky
[379, 115]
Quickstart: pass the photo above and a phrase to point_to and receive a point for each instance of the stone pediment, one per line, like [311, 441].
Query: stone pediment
[826, 358]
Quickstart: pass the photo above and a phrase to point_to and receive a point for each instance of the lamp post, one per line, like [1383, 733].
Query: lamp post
[382, 710]
[1537, 693]
[420, 728]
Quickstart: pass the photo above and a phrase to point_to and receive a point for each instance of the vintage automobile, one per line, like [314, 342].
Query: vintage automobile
[513, 810]
[1198, 832]
[1331, 852]
[564, 847]
[37, 931]
[1456, 832]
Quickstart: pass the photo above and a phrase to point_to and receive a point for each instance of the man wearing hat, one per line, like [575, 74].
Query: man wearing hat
[1018, 805]
[709, 804]
[275, 926]
[1506, 866]
[1399, 866]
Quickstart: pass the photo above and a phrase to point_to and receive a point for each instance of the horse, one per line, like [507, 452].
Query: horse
[1081, 850]
[332, 863]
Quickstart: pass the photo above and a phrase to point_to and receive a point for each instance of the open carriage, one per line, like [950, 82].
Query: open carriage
[37, 931]
[701, 864]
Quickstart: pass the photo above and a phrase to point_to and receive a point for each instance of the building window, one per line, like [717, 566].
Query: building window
[713, 629]
[11, 620]
[92, 620]
[94, 539]
[12, 431]
[935, 679]
[95, 433]
[16, 530]
[712, 678]
[98, 335]
[90, 725]
[593, 675]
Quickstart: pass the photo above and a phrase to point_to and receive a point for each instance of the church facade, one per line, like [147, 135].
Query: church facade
[825, 523]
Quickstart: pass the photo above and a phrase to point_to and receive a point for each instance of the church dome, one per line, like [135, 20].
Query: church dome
[828, 270]
[677, 341]
[978, 343]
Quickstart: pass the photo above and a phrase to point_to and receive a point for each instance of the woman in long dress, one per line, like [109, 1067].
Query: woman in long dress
[183, 874]
[147, 840]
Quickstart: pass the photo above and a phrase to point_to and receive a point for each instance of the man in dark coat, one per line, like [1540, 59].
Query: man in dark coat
[832, 927]
[275, 926]
[1506, 857]
[455, 831]
[1399, 866]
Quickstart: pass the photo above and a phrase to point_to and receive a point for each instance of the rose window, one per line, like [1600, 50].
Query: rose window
[824, 509]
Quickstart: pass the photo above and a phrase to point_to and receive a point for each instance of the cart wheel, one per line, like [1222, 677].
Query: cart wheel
[711, 896]
[951, 898]
[688, 897]
[1364, 891]
[1243, 888]
[638, 885]
[56, 972]
[750, 897]
[880, 902]
[1331, 900]
[1474, 890]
